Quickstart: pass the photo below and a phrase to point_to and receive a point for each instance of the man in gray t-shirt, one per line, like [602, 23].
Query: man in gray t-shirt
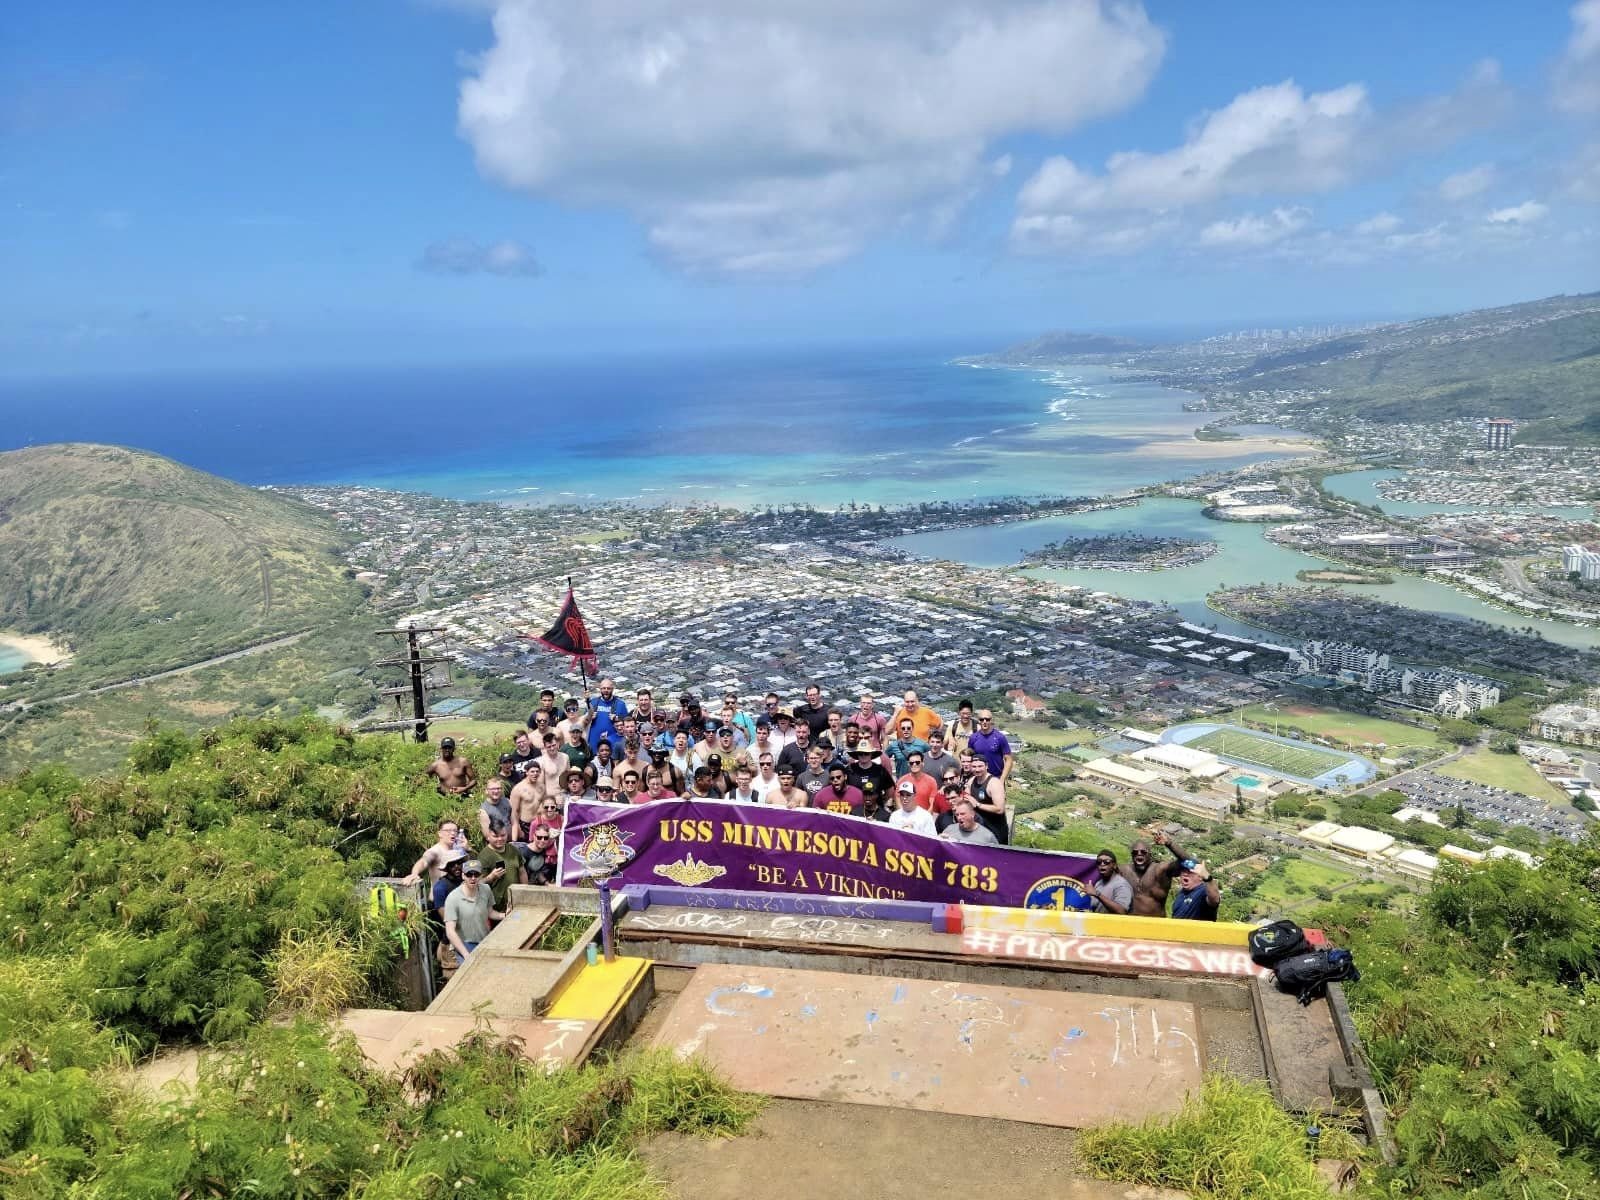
[468, 911]
[965, 828]
[1111, 893]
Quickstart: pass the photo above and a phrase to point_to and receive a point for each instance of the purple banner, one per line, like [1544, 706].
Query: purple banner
[751, 847]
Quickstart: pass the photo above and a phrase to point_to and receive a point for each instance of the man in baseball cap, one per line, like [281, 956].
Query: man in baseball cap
[453, 776]
[1198, 896]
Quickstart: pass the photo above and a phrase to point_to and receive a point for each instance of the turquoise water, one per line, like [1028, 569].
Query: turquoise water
[1244, 557]
[11, 660]
[880, 424]
[1362, 487]
[1248, 781]
[899, 434]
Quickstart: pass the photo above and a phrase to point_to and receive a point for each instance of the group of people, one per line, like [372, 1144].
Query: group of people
[1142, 887]
[911, 769]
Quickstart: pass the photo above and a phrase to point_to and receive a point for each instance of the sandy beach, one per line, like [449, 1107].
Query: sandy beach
[34, 648]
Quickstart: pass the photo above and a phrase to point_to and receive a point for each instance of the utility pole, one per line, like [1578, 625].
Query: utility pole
[418, 684]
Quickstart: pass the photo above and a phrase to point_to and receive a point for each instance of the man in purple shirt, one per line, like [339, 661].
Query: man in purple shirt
[990, 745]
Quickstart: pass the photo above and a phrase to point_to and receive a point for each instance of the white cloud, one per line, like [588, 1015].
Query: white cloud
[759, 137]
[463, 256]
[1431, 238]
[1576, 82]
[1380, 223]
[1254, 230]
[1271, 141]
[1465, 184]
[1525, 213]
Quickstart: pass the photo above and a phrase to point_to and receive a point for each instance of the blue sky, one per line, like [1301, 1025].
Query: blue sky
[364, 181]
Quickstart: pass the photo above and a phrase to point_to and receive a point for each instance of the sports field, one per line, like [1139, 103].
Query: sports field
[1304, 762]
[1351, 729]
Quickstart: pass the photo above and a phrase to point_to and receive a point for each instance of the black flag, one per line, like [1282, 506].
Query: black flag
[569, 635]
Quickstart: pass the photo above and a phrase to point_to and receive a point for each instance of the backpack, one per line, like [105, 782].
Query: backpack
[1306, 976]
[1271, 944]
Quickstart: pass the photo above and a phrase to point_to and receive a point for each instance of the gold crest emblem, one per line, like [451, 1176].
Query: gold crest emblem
[689, 871]
[603, 851]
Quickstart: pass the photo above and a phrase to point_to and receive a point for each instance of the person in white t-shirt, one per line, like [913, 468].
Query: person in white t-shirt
[765, 781]
[908, 814]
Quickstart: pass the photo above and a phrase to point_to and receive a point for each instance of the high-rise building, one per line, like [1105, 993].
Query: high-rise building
[1582, 561]
[1497, 433]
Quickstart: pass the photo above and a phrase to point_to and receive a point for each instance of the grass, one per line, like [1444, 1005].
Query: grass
[1053, 739]
[1351, 729]
[566, 932]
[1291, 881]
[467, 729]
[1509, 771]
[1305, 761]
[1231, 1142]
[602, 535]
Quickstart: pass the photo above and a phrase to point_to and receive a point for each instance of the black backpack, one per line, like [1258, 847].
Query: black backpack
[1306, 976]
[1271, 944]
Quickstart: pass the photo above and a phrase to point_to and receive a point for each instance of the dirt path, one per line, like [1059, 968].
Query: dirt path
[802, 1150]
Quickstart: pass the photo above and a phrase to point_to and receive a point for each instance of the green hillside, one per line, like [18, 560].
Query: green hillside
[1537, 362]
[139, 563]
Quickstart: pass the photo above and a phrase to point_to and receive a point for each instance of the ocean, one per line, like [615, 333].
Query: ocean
[869, 426]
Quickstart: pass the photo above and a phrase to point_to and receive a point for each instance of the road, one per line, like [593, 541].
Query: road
[277, 643]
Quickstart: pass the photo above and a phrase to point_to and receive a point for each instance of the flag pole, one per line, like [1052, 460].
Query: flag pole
[583, 672]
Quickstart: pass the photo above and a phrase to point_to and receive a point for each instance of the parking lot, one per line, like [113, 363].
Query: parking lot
[1440, 794]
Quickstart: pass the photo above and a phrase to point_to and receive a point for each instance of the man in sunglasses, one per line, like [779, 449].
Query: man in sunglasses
[1109, 892]
[1152, 880]
[468, 910]
[991, 745]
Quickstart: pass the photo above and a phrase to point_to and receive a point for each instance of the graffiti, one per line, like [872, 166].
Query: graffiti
[1177, 957]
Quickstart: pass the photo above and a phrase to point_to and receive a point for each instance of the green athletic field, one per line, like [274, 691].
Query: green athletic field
[1306, 762]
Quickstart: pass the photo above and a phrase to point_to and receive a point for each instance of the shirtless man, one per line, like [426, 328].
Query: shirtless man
[1152, 880]
[525, 799]
[453, 776]
[449, 845]
[551, 763]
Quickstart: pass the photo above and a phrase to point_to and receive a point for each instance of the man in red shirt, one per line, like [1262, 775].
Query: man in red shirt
[837, 795]
[925, 786]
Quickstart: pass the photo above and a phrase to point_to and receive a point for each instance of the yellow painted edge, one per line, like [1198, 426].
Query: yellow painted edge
[1111, 925]
[599, 990]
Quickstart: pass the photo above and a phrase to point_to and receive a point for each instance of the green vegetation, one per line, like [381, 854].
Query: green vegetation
[1481, 1018]
[1293, 882]
[1344, 575]
[1510, 771]
[1036, 734]
[211, 885]
[142, 564]
[1357, 731]
[1305, 761]
[1546, 371]
[1231, 1142]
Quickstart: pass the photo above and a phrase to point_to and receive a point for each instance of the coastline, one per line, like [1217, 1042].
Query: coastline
[34, 648]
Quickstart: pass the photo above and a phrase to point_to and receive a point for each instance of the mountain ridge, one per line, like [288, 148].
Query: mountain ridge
[136, 559]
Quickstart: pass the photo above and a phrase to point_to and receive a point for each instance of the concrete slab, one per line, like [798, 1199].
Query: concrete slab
[500, 978]
[393, 1041]
[1302, 1046]
[1067, 1059]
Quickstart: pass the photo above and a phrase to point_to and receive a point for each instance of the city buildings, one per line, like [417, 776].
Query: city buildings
[1497, 433]
[1449, 693]
[1582, 561]
[1576, 724]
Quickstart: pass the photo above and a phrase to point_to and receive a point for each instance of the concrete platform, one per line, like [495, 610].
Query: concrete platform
[393, 1041]
[1066, 1059]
